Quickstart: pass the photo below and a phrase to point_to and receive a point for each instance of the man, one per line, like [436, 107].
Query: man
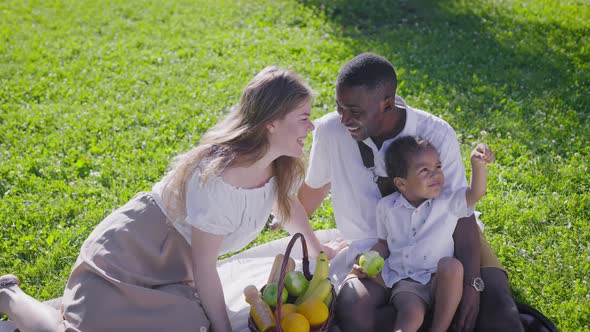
[347, 157]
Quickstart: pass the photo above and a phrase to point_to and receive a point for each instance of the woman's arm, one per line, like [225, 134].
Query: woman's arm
[298, 223]
[205, 249]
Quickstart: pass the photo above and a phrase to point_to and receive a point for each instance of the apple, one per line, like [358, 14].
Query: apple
[371, 262]
[271, 292]
[296, 283]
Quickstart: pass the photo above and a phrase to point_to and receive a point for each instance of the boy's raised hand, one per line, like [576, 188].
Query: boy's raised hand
[482, 154]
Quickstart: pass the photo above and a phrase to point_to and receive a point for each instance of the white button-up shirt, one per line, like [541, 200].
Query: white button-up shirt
[418, 237]
[335, 159]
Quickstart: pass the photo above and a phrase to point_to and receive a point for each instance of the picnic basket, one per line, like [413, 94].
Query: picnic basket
[281, 284]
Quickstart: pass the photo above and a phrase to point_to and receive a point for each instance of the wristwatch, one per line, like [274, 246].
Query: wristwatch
[475, 282]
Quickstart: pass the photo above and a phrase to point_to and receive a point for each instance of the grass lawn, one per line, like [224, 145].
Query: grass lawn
[96, 97]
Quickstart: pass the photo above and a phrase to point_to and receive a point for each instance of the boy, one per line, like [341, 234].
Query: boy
[415, 226]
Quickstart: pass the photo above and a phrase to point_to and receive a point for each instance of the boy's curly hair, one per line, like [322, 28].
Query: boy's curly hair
[399, 152]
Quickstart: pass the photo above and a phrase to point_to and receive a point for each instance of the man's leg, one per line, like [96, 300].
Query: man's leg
[363, 305]
[497, 310]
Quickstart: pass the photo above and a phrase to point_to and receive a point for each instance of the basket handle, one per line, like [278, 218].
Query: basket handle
[283, 274]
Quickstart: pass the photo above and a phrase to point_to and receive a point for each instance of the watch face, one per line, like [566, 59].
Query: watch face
[478, 284]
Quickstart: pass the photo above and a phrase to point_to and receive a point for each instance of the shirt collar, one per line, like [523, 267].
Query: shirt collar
[400, 201]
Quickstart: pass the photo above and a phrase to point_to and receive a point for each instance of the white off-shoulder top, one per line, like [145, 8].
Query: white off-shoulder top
[217, 207]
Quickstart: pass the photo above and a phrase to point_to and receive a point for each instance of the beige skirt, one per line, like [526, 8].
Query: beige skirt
[133, 274]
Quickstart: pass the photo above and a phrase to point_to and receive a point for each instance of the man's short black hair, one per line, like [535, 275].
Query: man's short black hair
[368, 70]
[399, 153]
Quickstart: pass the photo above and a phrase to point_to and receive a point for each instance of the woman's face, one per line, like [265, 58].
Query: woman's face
[287, 135]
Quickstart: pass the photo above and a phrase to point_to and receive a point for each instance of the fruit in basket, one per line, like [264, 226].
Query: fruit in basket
[270, 293]
[320, 273]
[371, 262]
[296, 283]
[288, 308]
[295, 322]
[320, 293]
[328, 299]
[315, 311]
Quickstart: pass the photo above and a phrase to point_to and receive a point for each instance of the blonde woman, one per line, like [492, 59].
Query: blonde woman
[151, 265]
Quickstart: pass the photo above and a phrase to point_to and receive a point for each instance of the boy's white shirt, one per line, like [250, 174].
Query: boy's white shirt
[418, 237]
[335, 159]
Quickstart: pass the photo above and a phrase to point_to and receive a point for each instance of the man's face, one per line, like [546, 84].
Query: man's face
[360, 110]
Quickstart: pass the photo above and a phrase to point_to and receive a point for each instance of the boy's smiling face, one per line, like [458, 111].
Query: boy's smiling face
[425, 178]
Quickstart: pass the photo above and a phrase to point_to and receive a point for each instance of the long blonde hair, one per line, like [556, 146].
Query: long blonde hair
[241, 138]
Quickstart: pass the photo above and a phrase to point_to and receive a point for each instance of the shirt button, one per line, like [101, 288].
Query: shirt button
[410, 272]
[196, 295]
[406, 256]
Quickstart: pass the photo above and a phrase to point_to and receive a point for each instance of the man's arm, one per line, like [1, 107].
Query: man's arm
[468, 252]
[312, 198]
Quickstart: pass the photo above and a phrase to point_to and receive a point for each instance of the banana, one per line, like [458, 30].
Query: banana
[328, 299]
[319, 275]
[322, 266]
[320, 293]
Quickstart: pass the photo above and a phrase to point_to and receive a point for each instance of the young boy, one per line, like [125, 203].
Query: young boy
[415, 227]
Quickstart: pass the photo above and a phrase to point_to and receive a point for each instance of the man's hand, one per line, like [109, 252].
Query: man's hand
[466, 315]
[333, 247]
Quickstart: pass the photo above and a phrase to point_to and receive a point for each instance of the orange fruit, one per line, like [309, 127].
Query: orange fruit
[315, 311]
[287, 308]
[295, 322]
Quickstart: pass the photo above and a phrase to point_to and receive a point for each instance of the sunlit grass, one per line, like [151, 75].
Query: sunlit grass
[97, 97]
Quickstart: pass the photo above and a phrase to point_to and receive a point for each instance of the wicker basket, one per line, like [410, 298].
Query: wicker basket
[281, 284]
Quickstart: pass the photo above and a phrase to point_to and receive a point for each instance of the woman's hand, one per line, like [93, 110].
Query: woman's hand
[332, 248]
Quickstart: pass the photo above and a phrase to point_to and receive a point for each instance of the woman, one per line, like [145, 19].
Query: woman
[151, 265]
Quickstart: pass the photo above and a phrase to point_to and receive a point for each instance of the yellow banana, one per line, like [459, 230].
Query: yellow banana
[320, 293]
[328, 299]
[320, 273]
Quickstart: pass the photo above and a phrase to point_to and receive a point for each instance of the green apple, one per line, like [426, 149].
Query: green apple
[296, 283]
[371, 262]
[271, 291]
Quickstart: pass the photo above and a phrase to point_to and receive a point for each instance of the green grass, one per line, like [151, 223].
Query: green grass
[97, 97]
